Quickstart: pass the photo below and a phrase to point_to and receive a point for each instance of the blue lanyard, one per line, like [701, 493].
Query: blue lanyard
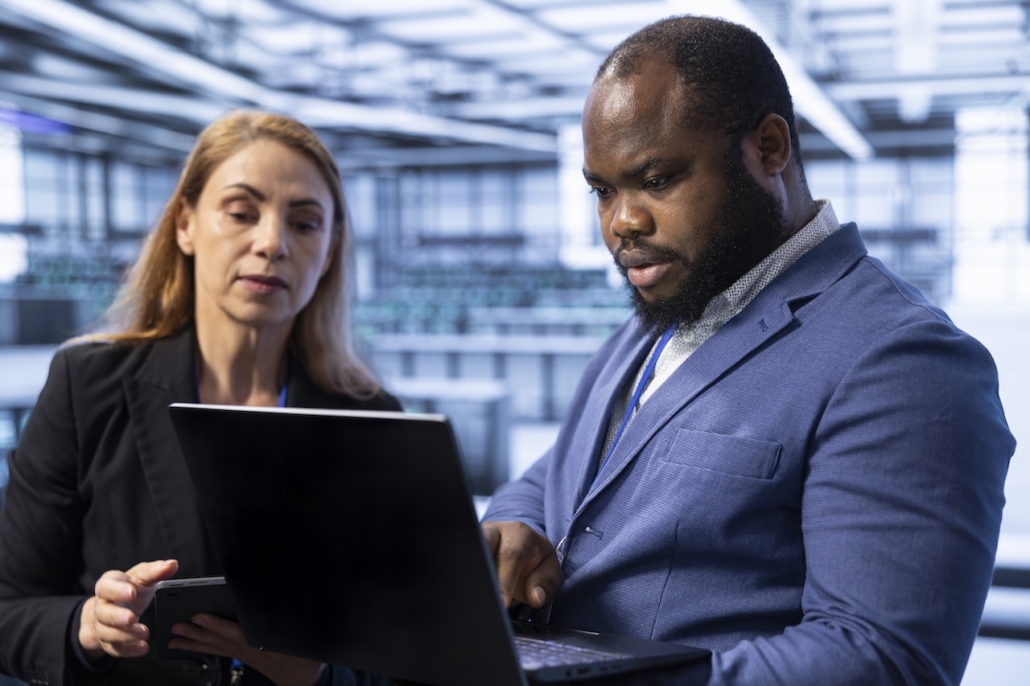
[641, 385]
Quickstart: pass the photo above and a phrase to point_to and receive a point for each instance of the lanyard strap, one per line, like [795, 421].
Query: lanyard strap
[641, 385]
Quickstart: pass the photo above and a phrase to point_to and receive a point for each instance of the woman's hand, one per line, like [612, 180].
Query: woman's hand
[217, 636]
[109, 623]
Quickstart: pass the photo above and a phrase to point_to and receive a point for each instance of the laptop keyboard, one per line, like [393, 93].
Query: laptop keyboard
[534, 653]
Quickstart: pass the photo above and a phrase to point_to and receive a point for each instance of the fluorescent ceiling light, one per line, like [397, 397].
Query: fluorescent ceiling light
[157, 15]
[472, 26]
[856, 23]
[915, 47]
[250, 10]
[151, 53]
[129, 99]
[589, 19]
[939, 85]
[146, 51]
[983, 15]
[102, 123]
[525, 45]
[354, 9]
[524, 108]
[297, 37]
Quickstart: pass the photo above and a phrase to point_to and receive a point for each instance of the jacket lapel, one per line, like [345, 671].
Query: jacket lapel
[767, 315]
[600, 403]
[165, 377]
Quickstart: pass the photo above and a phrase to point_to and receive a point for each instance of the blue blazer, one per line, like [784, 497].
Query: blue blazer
[815, 494]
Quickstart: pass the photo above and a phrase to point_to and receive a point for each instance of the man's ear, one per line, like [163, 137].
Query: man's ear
[769, 145]
[184, 228]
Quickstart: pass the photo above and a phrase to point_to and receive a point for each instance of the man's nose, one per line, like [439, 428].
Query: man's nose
[630, 219]
[270, 239]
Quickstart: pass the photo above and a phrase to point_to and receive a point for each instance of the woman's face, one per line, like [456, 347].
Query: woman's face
[260, 236]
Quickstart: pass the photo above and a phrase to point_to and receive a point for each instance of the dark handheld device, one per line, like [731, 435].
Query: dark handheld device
[178, 600]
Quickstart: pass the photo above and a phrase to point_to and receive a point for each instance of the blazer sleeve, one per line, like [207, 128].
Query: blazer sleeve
[900, 516]
[522, 500]
[41, 537]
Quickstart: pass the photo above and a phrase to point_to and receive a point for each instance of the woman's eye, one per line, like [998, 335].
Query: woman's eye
[307, 225]
[240, 216]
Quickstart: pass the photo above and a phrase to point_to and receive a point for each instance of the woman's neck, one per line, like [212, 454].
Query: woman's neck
[240, 365]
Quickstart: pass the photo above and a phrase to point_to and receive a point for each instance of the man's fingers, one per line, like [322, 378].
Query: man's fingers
[493, 537]
[510, 560]
[543, 583]
[527, 567]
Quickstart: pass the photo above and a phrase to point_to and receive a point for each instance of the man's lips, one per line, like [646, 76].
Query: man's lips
[644, 268]
[259, 283]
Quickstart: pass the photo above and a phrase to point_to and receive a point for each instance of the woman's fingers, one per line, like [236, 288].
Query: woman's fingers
[210, 634]
[110, 620]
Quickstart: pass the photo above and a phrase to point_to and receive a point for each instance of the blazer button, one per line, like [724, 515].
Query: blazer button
[209, 674]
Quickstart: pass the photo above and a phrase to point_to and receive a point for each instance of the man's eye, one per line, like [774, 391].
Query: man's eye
[655, 184]
[601, 191]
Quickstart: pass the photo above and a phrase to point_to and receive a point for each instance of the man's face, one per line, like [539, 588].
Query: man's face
[682, 214]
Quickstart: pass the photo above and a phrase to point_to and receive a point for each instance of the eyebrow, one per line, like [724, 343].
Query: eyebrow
[650, 164]
[261, 196]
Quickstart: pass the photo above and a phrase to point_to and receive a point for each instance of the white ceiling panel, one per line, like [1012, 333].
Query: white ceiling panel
[379, 9]
[468, 26]
[536, 43]
[302, 37]
[591, 19]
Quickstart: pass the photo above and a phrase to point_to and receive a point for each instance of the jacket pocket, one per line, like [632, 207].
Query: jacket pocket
[735, 455]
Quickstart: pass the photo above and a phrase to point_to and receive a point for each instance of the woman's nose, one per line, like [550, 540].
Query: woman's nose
[270, 238]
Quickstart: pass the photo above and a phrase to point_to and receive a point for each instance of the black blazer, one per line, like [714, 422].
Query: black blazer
[97, 483]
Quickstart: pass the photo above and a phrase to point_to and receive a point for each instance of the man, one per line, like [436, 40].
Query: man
[788, 455]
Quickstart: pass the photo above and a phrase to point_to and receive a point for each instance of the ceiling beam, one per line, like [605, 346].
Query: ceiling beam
[941, 84]
[147, 53]
[387, 158]
[141, 132]
[900, 138]
[117, 97]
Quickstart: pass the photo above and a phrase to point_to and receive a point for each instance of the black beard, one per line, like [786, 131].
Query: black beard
[751, 226]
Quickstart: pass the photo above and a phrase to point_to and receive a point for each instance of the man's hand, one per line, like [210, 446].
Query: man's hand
[216, 636]
[527, 566]
[109, 622]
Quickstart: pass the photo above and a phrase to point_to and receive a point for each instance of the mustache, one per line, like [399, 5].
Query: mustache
[633, 251]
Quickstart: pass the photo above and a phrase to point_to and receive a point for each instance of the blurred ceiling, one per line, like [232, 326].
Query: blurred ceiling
[414, 82]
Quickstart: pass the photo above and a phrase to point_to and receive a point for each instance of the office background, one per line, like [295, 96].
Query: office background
[481, 283]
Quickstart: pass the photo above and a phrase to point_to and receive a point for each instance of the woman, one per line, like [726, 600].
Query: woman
[238, 298]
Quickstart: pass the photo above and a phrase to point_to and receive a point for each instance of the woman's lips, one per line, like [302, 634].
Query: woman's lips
[263, 285]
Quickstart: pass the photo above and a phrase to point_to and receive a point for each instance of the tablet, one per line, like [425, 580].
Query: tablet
[178, 600]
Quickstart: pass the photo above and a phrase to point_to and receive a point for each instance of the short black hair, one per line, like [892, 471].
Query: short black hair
[728, 67]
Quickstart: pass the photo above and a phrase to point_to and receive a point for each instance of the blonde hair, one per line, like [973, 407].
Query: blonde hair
[157, 299]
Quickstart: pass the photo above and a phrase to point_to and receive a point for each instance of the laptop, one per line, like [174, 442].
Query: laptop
[350, 537]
